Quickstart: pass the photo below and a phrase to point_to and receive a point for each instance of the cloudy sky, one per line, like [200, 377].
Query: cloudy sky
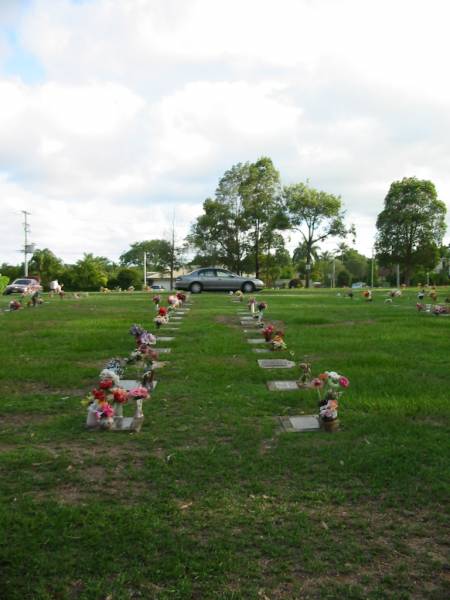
[115, 114]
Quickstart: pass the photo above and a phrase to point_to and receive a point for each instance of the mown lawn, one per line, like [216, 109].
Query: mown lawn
[210, 500]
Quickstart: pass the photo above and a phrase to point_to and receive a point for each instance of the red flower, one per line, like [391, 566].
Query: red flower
[99, 395]
[120, 395]
[162, 311]
[106, 384]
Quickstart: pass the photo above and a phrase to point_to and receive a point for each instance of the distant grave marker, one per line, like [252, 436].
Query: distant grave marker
[282, 386]
[276, 363]
[300, 424]
[256, 341]
[261, 350]
[163, 350]
[164, 339]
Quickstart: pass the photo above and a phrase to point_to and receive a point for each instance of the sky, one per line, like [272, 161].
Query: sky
[117, 116]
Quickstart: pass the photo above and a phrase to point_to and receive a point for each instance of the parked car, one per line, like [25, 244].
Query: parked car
[358, 285]
[24, 285]
[215, 278]
[157, 288]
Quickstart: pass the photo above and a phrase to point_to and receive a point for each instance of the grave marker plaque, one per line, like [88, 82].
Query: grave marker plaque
[276, 363]
[282, 386]
[164, 339]
[163, 350]
[300, 424]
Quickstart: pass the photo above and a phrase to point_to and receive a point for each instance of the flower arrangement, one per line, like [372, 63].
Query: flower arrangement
[305, 375]
[440, 309]
[329, 385]
[268, 332]
[367, 294]
[277, 342]
[173, 301]
[181, 298]
[14, 305]
[136, 330]
[239, 295]
[420, 306]
[116, 365]
[162, 318]
[157, 301]
[261, 308]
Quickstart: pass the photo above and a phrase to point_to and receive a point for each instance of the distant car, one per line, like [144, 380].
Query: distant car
[358, 285]
[23, 286]
[214, 278]
[157, 288]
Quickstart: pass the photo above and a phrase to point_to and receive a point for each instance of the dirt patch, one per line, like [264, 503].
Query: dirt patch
[16, 420]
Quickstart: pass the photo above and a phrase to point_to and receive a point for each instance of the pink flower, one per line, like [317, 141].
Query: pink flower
[344, 382]
[317, 383]
[139, 392]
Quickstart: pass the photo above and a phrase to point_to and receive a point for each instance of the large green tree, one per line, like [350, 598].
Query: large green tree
[261, 200]
[316, 215]
[411, 226]
[46, 264]
[159, 255]
[220, 233]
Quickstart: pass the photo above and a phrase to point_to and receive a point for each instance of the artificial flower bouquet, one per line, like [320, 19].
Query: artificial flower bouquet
[157, 301]
[367, 294]
[14, 305]
[304, 380]
[239, 295]
[142, 336]
[277, 343]
[268, 332]
[173, 301]
[261, 308]
[329, 386]
[181, 298]
[440, 309]
[162, 318]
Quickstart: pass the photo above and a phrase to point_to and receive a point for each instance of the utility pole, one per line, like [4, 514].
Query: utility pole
[398, 275]
[145, 270]
[172, 252]
[372, 269]
[26, 247]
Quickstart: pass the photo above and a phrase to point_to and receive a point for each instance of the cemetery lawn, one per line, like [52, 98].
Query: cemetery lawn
[210, 500]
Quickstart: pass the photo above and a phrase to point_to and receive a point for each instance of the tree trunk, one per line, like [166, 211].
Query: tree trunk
[257, 250]
[308, 271]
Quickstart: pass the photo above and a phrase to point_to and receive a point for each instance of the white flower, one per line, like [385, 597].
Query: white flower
[108, 374]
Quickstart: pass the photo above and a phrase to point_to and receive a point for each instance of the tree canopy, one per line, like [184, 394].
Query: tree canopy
[411, 226]
[316, 215]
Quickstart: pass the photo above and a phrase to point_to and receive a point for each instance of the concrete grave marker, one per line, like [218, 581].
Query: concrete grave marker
[300, 424]
[276, 363]
[172, 328]
[159, 364]
[163, 350]
[247, 319]
[282, 386]
[176, 318]
[256, 341]
[261, 350]
[164, 339]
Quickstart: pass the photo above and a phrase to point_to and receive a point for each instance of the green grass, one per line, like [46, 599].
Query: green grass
[210, 500]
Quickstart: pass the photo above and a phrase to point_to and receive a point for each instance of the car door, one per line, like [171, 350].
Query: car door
[227, 280]
[208, 279]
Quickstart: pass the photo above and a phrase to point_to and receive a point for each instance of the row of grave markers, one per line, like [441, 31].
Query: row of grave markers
[119, 423]
[302, 423]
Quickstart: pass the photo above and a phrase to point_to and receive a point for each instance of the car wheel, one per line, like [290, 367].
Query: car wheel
[196, 288]
[248, 287]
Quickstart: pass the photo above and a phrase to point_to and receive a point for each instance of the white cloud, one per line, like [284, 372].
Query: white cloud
[144, 104]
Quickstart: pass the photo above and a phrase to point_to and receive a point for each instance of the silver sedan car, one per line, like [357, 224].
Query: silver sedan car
[214, 278]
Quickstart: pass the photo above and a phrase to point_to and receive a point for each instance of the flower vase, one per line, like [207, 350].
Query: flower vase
[118, 415]
[91, 418]
[106, 423]
[330, 426]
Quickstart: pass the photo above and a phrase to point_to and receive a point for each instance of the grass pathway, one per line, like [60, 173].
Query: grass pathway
[208, 501]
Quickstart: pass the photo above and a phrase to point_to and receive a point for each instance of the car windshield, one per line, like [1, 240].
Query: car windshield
[23, 281]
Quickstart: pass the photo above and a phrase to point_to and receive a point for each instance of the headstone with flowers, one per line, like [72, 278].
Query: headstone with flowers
[330, 386]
